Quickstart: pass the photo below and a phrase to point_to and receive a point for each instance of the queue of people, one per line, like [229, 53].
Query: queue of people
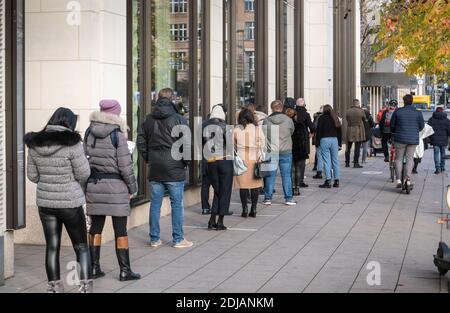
[97, 171]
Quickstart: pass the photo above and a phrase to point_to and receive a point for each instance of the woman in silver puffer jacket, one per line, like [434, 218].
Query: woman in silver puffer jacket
[58, 165]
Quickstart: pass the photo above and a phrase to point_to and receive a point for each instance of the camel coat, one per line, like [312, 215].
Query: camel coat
[248, 143]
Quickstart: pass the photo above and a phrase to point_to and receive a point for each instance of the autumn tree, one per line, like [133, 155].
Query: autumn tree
[416, 32]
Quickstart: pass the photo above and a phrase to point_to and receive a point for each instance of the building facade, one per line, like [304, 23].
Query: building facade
[73, 53]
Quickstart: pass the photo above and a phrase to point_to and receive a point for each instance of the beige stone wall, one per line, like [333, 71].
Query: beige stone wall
[75, 66]
[318, 33]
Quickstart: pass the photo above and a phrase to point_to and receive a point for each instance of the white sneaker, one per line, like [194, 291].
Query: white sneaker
[267, 202]
[156, 244]
[290, 203]
[183, 244]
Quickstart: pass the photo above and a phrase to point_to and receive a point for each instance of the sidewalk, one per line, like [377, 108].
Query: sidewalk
[322, 245]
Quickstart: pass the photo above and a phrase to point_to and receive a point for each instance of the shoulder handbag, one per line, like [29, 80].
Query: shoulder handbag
[262, 167]
[240, 168]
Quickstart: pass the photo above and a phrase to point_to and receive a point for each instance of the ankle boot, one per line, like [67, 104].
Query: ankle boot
[326, 185]
[336, 183]
[253, 211]
[357, 165]
[318, 175]
[296, 191]
[55, 287]
[220, 225]
[123, 256]
[245, 211]
[212, 222]
[95, 244]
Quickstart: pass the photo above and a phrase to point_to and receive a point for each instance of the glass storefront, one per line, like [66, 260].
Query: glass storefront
[166, 52]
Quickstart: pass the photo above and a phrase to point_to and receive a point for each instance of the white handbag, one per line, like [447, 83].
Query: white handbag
[240, 168]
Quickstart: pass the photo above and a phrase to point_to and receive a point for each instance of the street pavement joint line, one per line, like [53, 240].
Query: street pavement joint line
[232, 229]
[287, 231]
[315, 235]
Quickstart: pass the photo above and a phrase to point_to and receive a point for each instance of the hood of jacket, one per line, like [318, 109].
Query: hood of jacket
[103, 124]
[440, 115]
[51, 140]
[278, 118]
[163, 109]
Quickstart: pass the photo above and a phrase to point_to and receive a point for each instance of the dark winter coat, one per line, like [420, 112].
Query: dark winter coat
[441, 127]
[301, 144]
[406, 124]
[58, 165]
[155, 143]
[109, 196]
[369, 124]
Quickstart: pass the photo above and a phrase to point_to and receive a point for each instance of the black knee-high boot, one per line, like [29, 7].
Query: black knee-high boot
[95, 244]
[123, 256]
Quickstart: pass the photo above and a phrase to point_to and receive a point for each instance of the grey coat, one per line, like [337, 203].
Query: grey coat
[109, 197]
[58, 165]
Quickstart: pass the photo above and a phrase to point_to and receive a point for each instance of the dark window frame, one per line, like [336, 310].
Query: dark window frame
[15, 216]
[299, 72]
[146, 77]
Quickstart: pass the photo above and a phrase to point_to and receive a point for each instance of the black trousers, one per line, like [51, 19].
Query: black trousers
[357, 152]
[206, 184]
[254, 196]
[221, 175]
[385, 144]
[119, 225]
[298, 169]
[75, 223]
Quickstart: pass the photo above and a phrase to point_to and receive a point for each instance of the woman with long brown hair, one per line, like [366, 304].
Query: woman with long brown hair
[329, 139]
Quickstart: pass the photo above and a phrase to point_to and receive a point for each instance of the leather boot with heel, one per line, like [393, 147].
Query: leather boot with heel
[123, 256]
[95, 244]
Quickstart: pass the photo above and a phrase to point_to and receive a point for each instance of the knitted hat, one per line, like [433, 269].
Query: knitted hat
[217, 112]
[110, 106]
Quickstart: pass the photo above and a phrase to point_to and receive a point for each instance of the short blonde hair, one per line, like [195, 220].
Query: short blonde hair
[277, 106]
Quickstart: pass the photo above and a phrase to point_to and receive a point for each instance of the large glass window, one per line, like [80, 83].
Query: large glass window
[286, 42]
[165, 50]
[239, 58]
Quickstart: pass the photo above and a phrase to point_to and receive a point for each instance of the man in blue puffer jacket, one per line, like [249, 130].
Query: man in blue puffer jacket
[406, 124]
[441, 127]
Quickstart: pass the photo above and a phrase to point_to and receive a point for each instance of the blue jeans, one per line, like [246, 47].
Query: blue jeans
[176, 194]
[329, 148]
[439, 158]
[284, 162]
[319, 160]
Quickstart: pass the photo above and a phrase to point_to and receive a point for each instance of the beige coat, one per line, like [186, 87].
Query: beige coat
[355, 131]
[248, 143]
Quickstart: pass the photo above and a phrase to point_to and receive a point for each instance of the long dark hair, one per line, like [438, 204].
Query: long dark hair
[246, 117]
[328, 109]
[63, 117]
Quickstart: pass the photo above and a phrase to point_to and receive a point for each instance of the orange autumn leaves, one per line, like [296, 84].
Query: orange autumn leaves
[417, 32]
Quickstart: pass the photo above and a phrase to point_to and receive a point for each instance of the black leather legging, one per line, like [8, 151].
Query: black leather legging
[298, 173]
[75, 223]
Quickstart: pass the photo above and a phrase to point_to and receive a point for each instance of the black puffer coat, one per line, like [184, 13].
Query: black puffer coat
[155, 143]
[441, 127]
[301, 145]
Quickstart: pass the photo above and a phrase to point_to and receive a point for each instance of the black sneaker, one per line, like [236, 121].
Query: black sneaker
[357, 165]
[437, 172]
[206, 212]
[303, 185]
[336, 184]
[318, 176]
[347, 165]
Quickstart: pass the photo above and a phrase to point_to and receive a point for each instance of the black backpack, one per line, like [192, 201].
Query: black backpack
[114, 138]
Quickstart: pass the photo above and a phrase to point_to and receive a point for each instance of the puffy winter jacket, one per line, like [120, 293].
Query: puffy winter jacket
[441, 127]
[155, 143]
[58, 165]
[406, 124]
[212, 140]
[109, 196]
